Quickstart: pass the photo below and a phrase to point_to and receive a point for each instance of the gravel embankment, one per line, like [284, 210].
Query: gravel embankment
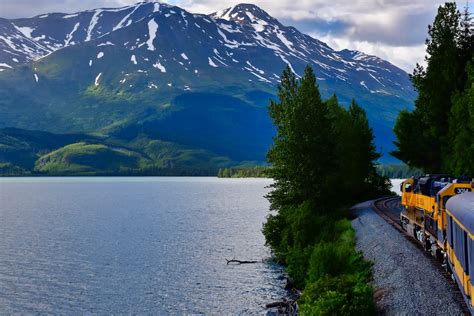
[406, 281]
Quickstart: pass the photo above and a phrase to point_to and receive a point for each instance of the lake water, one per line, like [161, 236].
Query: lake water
[396, 185]
[134, 245]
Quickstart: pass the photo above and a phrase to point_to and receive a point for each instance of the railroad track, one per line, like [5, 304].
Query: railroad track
[389, 209]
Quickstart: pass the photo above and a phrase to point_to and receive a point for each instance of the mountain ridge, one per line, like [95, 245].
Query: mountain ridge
[158, 70]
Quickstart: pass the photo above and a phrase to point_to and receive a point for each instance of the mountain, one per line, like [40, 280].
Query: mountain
[25, 152]
[157, 71]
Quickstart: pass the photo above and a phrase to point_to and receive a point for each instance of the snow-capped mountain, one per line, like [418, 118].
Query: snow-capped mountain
[152, 53]
[32, 38]
[231, 33]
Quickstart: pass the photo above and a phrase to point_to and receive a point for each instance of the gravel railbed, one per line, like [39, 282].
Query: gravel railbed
[406, 281]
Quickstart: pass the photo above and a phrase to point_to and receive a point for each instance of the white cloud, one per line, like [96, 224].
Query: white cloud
[404, 57]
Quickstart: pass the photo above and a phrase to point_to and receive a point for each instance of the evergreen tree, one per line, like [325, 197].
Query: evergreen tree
[358, 177]
[466, 38]
[422, 136]
[302, 153]
[461, 154]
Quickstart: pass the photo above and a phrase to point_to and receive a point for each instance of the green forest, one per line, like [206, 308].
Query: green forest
[438, 136]
[244, 172]
[323, 160]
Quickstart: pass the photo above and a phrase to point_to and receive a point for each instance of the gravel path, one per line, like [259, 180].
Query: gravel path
[406, 282]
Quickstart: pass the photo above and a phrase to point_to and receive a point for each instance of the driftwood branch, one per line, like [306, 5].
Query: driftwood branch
[239, 261]
[285, 307]
[277, 304]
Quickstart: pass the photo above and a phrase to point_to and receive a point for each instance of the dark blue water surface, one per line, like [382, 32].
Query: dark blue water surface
[131, 245]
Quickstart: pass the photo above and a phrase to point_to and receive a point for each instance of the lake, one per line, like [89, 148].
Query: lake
[134, 245]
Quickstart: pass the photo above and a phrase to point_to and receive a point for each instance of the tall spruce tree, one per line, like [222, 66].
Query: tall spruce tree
[422, 135]
[302, 154]
[466, 39]
[356, 155]
[302, 159]
[461, 129]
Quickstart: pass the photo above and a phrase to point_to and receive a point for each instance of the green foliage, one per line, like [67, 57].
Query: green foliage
[243, 172]
[340, 295]
[10, 170]
[322, 160]
[461, 129]
[338, 276]
[84, 158]
[425, 136]
[302, 153]
[356, 154]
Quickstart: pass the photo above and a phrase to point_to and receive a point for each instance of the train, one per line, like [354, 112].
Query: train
[438, 211]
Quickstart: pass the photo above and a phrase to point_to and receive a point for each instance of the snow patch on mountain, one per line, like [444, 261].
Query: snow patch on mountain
[255, 68]
[25, 30]
[257, 24]
[106, 44]
[152, 30]
[284, 40]
[125, 18]
[93, 23]
[68, 16]
[211, 63]
[183, 15]
[96, 82]
[69, 36]
[159, 66]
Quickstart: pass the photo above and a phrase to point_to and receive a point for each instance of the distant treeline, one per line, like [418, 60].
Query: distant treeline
[398, 171]
[9, 170]
[243, 172]
[392, 171]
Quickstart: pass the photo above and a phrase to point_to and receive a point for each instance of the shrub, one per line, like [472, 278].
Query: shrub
[339, 295]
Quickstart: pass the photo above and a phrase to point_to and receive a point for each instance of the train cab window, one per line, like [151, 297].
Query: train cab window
[407, 188]
[460, 245]
[450, 231]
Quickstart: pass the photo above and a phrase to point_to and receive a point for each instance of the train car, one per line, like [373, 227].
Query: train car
[460, 243]
[424, 200]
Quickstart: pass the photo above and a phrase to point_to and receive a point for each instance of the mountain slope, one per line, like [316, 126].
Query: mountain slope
[36, 152]
[198, 80]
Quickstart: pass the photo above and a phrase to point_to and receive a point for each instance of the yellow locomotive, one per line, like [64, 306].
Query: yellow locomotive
[438, 211]
[424, 201]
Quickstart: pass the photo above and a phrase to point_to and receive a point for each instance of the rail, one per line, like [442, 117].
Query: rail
[382, 208]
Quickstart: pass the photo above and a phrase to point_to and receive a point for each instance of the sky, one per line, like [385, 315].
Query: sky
[394, 30]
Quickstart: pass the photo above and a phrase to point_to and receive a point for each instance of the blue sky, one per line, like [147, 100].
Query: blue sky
[391, 29]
